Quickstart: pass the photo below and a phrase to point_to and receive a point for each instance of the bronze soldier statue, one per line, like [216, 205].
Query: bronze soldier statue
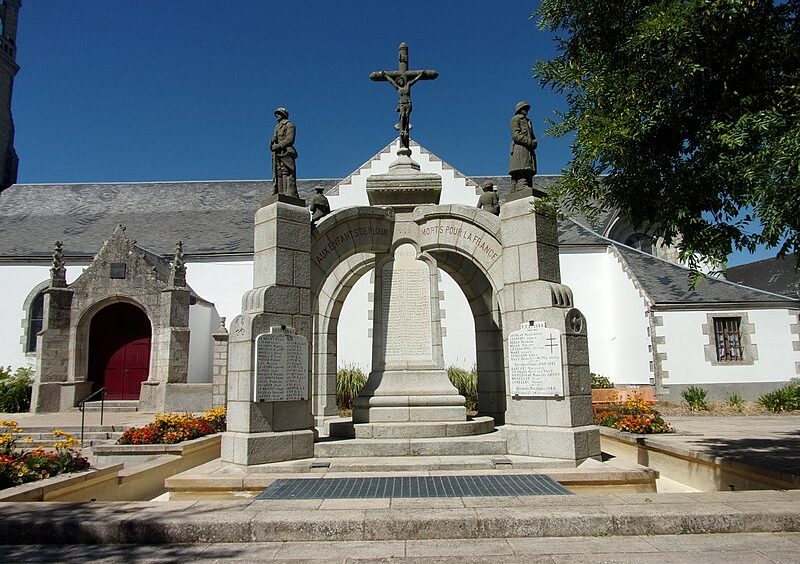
[489, 201]
[284, 155]
[320, 206]
[522, 163]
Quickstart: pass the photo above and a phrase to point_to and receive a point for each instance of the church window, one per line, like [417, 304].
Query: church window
[727, 338]
[641, 242]
[35, 321]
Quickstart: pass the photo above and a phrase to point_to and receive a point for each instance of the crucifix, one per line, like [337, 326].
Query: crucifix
[402, 80]
[551, 343]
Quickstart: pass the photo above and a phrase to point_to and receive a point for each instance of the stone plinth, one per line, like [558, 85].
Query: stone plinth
[404, 186]
[271, 431]
[543, 418]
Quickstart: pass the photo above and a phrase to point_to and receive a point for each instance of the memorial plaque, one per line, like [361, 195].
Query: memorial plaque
[534, 358]
[406, 306]
[281, 366]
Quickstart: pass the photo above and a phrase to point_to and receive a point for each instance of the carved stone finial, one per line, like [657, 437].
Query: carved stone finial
[177, 277]
[58, 272]
[221, 328]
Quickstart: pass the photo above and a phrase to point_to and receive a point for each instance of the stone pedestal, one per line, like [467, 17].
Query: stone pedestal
[408, 382]
[545, 424]
[271, 431]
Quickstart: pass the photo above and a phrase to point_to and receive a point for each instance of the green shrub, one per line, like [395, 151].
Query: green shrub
[735, 401]
[466, 381]
[15, 389]
[696, 398]
[601, 382]
[349, 381]
[782, 399]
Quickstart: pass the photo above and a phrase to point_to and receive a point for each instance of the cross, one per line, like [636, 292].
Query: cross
[402, 80]
[551, 342]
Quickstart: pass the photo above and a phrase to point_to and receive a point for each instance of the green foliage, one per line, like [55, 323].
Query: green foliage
[692, 110]
[15, 389]
[782, 399]
[735, 401]
[349, 381]
[467, 383]
[601, 382]
[696, 398]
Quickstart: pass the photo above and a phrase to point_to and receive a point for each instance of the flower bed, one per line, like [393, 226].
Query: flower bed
[18, 466]
[635, 415]
[171, 428]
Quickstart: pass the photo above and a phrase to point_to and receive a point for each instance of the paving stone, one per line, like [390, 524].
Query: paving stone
[458, 547]
[665, 558]
[581, 545]
[354, 549]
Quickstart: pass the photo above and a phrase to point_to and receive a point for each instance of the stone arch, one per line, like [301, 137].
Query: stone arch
[79, 367]
[327, 304]
[462, 240]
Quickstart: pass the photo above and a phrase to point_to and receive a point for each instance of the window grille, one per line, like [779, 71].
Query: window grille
[727, 338]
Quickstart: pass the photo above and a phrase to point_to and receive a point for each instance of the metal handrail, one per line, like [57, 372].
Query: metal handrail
[82, 407]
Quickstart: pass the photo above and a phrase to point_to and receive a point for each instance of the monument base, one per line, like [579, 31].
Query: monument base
[566, 443]
[261, 448]
[396, 396]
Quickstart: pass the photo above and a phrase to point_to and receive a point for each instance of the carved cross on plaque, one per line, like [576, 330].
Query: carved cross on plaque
[551, 343]
[402, 79]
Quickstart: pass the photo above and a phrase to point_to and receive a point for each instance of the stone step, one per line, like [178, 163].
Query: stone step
[76, 434]
[442, 446]
[407, 430]
[115, 406]
[73, 429]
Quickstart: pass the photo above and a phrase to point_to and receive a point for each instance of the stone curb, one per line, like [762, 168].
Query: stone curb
[654, 442]
[263, 521]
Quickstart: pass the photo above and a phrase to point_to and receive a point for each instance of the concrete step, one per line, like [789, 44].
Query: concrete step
[73, 429]
[471, 427]
[443, 446]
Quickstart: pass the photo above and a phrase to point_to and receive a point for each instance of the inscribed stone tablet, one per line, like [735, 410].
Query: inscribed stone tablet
[406, 291]
[534, 354]
[281, 366]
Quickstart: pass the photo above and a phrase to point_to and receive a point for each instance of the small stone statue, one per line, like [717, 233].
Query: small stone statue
[522, 163]
[489, 201]
[320, 206]
[177, 277]
[58, 272]
[284, 155]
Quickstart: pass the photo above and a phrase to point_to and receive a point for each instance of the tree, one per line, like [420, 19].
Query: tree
[685, 116]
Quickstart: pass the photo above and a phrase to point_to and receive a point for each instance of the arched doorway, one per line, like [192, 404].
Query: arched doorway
[119, 350]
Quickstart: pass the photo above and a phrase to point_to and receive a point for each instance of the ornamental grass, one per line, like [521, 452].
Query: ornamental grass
[20, 466]
[634, 415]
[171, 428]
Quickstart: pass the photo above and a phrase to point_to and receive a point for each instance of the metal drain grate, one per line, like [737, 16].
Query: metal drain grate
[413, 486]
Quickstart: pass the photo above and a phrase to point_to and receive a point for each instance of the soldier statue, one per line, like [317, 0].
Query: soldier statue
[320, 206]
[522, 163]
[489, 201]
[283, 155]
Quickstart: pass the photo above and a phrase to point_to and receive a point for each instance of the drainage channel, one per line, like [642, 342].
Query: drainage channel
[413, 487]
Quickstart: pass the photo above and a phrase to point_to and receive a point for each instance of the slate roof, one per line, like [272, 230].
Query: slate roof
[667, 284]
[777, 275]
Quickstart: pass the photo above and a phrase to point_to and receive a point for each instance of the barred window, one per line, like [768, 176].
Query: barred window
[727, 338]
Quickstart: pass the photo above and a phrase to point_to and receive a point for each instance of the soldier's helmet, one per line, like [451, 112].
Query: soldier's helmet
[283, 112]
[521, 105]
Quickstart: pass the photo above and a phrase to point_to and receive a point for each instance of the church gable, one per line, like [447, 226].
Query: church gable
[352, 191]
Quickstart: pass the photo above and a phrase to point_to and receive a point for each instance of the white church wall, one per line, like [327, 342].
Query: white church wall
[203, 321]
[16, 282]
[686, 359]
[221, 282]
[615, 314]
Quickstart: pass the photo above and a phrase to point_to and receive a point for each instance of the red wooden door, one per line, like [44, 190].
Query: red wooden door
[119, 351]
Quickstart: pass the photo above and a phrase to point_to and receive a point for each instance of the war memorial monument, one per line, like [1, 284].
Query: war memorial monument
[532, 356]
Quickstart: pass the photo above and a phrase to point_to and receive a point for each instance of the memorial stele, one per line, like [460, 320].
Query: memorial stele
[534, 397]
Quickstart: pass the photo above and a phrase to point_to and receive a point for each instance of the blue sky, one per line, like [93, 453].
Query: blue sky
[185, 90]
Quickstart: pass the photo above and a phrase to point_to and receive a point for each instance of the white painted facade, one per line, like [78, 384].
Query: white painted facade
[687, 364]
